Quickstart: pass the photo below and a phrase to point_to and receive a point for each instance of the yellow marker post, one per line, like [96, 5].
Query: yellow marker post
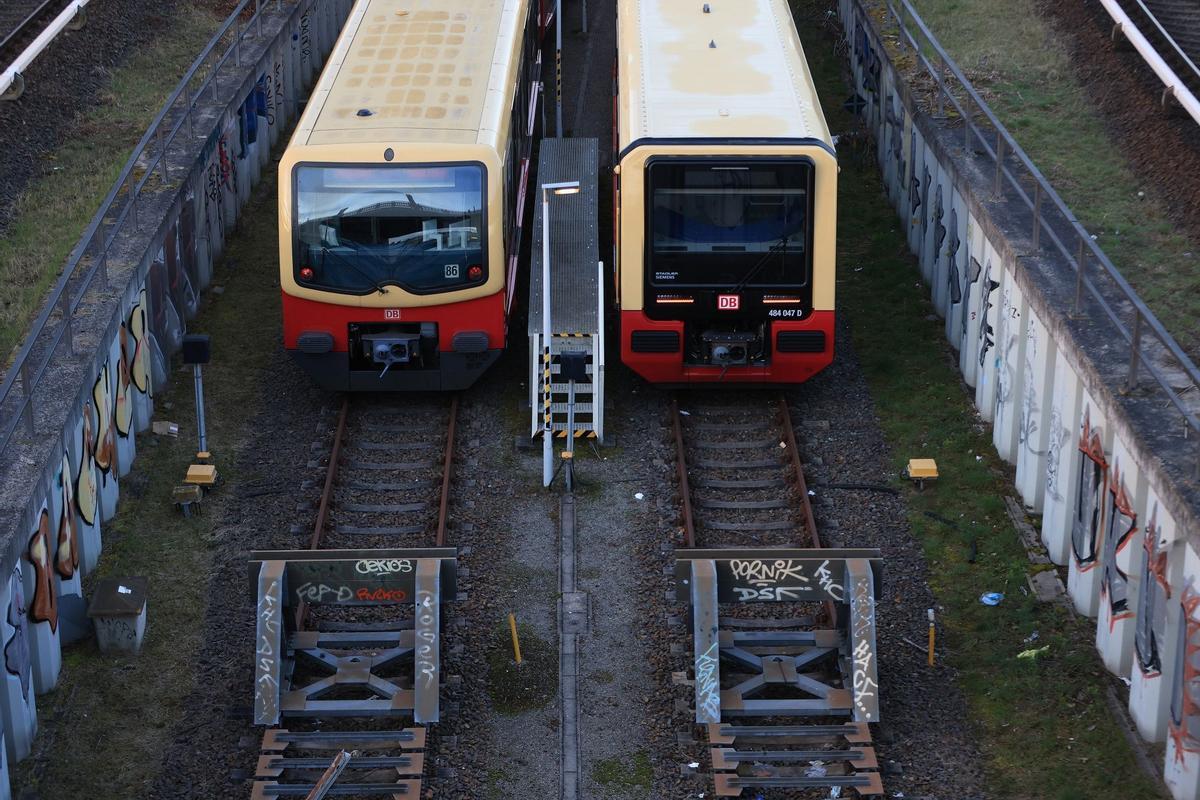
[512, 626]
[931, 637]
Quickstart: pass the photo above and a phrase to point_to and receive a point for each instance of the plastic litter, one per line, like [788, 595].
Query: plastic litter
[639, 496]
[1034, 653]
[685, 413]
[1031, 638]
[835, 792]
[991, 598]
[694, 764]
[815, 769]
[811, 493]
[783, 445]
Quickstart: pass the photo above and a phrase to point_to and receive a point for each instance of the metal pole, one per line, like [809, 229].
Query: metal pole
[1079, 264]
[200, 409]
[998, 189]
[558, 68]
[1037, 216]
[1135, 352]
[583, 15]
[569, 455]
[547, 432]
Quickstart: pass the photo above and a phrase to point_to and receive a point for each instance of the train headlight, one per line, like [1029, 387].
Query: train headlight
[306, 273]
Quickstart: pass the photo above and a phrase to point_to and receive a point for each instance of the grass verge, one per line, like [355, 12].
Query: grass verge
[109, 722]
[57, 207]
[1025, 73]
[527, 686]
[633, 773]
[1042, 722]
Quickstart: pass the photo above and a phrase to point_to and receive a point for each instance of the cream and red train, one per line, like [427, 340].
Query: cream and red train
[725, 195]
[402, 192]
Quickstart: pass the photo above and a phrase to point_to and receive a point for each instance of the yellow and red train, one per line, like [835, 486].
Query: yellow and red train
[402, 194]
[726, 195]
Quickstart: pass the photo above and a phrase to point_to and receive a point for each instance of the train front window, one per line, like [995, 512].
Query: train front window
[729, 224]
[361, 228]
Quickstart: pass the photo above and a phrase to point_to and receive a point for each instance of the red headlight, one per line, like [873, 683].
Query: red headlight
[474, 272]
[306, 273]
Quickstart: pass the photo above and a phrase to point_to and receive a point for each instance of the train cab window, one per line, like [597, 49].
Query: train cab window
[724, 224]
[421, 228]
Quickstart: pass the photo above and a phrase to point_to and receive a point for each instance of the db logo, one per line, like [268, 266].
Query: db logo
[391, 313]
[728, 302]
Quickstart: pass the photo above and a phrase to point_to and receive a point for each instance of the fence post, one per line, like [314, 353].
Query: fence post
[65, 302]
[162, 155]
[967, 124]
[1037, 215]
[27, 407]
[998, 189]
[1136, 351]
[1080, 263]
[941, 79]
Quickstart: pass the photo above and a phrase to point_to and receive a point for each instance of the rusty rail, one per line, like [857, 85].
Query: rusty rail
[447, 465]
[335, 454]
[685, 492]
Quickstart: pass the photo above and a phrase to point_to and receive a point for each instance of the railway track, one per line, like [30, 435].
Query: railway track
[783, 629]
[20, 23]
[1172, 28]
[352, 625]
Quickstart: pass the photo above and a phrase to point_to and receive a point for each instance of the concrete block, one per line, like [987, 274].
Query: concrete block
[119, 612]
[1009, 354]
[957, 262]
[968, 354]
[1120, 560]
[985, 333]
[1092, 445]
[1157, 626]
[18, 710]
[1034, 427]
[1182, 759]
[1062, 461]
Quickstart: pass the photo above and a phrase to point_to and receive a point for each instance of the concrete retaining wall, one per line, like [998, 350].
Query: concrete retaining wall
[54, 537]
[1109, 472]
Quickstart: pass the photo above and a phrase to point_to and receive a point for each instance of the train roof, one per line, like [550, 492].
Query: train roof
[426, 70]
[735, 70]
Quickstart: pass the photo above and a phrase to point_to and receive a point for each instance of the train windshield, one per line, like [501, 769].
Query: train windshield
[729, 224]
[360, 228]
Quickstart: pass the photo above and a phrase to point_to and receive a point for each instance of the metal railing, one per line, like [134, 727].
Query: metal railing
[1013, 167]
[89, 260]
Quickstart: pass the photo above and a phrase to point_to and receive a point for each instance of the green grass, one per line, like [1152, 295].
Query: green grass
[1043, 723]
[530, 685]
[56, 208]
[110, 720]
[633, 773]
[1025, 73]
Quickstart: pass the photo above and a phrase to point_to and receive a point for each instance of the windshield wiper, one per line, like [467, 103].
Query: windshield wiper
[779, 246]
[379, 286]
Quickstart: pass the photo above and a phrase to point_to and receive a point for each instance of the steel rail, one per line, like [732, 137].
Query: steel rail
[335, 458]
[1144, 323]
[447, 464]
[1150, 54]
[17, 31]
[64, 302]
[685, 492]
[789, 439]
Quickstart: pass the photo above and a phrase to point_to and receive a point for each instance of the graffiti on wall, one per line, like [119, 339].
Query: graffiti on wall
[1154, 593]
[86, 497]
[1055, 439]
[105, 448]
[1122, 524]
[45, 600]
[956, 294]
[1085, 527]
[16, 649]
[867, 59]
[987, 334]
[66, 559]
[1184, 725]
[974, 270]
[1030, 409]
[939, 230]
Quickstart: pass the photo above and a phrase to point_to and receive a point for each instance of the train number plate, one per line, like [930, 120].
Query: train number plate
[391, 313]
